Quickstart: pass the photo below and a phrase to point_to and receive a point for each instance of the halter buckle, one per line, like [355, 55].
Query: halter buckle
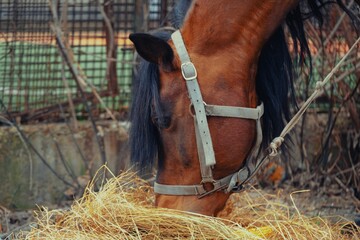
[216, 187]
[188, 71]
[238, 188]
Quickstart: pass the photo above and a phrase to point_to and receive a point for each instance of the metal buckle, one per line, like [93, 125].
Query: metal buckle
[217, 187]
[188, 71]
[237, 189]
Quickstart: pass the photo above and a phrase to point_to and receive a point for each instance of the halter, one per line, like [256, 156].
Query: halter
[233, 182]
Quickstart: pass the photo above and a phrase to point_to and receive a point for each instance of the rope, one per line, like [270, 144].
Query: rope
[276, 142]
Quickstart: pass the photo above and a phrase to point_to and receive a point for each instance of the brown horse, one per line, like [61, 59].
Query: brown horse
[237, 54]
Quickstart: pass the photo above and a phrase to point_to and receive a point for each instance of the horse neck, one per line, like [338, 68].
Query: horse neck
[232, 25]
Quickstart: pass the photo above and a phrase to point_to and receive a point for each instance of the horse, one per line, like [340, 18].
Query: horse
[209, 97]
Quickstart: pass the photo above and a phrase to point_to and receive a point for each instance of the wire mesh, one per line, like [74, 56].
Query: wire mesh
[33, 76]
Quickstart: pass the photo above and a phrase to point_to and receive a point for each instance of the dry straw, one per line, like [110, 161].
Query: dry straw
[278, 220]
[122, 209]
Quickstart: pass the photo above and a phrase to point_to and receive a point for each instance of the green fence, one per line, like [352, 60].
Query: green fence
[32, 71]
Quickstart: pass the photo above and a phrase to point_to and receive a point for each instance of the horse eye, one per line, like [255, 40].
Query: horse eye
[162, 122]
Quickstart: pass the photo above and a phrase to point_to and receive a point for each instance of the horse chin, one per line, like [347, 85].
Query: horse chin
[209, 205]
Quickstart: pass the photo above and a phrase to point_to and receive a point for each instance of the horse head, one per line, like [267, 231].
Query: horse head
[233, 54]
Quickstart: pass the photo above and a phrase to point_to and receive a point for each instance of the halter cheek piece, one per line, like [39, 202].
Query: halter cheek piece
[233, 182]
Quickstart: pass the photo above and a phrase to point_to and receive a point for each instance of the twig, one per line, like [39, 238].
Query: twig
[343, 103]
[68, 169]
[28, 143]
[341, 184]
[68, 94]
[23, 228]
[316, 93]
[111, 38]
[63, 77]
[333, 31]
[78, 79]
[102, 103]
[3, 119]
[331, 35]
[83, 158]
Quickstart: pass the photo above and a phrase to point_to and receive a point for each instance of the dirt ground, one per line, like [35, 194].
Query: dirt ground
[320, 202]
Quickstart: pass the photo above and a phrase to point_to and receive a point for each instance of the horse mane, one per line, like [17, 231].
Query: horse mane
[145, 142]
[276, 67]
[178, 13]
[274, 82]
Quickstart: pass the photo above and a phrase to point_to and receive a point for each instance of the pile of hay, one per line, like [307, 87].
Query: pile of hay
[123, 209]
[255, 209]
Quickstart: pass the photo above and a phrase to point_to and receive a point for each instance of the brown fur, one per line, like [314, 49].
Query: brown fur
[224, 39]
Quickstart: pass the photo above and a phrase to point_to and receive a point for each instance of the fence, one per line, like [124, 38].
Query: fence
[34, 80]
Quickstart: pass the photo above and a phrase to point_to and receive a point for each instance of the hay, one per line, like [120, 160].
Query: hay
[122, 209]
[254, 209]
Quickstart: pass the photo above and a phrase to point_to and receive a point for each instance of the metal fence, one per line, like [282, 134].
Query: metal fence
[35, 81]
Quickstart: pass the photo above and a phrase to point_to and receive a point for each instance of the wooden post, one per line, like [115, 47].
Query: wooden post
[164, 6]
[141, 16]
[111, 48]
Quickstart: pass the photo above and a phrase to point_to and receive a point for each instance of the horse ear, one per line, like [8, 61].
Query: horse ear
[153, 49]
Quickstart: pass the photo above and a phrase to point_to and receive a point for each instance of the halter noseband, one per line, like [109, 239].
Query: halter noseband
[232, 182]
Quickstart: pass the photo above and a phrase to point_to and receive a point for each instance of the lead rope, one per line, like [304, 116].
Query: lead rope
[277, 142]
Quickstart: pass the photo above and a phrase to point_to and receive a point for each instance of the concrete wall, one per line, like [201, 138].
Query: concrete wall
[25, 180]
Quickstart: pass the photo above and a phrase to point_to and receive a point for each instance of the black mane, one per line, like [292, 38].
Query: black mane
[178, 14]
[274, 82]
[145, 143]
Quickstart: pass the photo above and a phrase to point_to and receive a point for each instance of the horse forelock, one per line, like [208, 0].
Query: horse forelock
[145, 142]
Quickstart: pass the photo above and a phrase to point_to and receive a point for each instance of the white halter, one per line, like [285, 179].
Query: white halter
[232, 182]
